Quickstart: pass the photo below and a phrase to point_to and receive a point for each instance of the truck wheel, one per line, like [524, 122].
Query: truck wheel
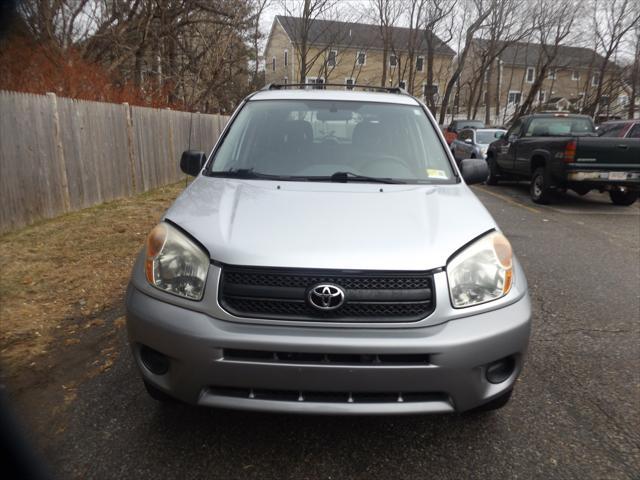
[623, 197]
[492, 179]
[540, 189]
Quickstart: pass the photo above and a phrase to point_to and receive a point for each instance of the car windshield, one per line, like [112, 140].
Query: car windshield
[317, 139]
[488, 136]
[559, 127]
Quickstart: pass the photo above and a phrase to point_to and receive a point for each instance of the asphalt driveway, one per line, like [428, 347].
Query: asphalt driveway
[575, 412]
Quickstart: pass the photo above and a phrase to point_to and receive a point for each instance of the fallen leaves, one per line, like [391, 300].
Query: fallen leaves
[70, 267]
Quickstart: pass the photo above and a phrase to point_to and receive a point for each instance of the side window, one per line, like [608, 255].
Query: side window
[612, 130]
[464, 134]
[634, 132]
[515, 129]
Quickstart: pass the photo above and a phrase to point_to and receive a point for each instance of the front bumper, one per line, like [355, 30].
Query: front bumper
[453, 379]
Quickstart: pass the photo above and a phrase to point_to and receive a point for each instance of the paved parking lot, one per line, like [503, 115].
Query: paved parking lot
[575, 412]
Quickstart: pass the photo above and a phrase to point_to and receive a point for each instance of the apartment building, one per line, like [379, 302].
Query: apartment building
[570, 82]
[350, 53]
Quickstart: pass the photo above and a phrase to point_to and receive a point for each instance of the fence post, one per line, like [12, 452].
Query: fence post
[62, 167]
[132, 165]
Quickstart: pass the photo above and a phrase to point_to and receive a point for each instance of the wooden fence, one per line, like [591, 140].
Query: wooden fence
[59, 154]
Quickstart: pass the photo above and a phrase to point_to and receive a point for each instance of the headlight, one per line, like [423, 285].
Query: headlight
[481, 272]
[174, 263]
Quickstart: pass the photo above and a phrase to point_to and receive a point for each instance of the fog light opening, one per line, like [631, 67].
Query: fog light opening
[499, 371]
[155, 361]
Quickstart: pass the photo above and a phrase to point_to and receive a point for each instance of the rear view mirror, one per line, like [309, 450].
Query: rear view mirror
[192, 162]
[474, 170]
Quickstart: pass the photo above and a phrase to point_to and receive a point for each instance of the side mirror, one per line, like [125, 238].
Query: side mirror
[468, 140]
[474, 170]
[192, 162]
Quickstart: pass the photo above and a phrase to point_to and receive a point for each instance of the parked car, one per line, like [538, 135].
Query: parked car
[474, 143]
[561, 151]
[313, 272]
[457, 125]
[620, 129]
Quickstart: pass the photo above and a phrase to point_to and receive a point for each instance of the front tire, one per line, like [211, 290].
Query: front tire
[623, 197]
[540, 189]
[492, 179]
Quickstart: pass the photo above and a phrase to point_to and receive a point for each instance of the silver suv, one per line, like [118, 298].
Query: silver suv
[329, 258]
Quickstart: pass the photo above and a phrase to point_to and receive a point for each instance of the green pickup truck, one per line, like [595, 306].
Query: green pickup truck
[558, 151]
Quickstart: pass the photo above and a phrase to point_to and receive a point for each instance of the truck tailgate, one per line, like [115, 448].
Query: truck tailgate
[619, 153]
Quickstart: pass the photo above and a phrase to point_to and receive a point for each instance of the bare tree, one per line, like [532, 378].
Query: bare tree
[438, 18]
[386, 13]
[634, 77]
[481, 10]
[305, 14]
[613, 19]
[552, 22]
[258, 8]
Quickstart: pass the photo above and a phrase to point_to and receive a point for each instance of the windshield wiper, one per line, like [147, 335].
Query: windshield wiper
[246, 174]
[344, 177]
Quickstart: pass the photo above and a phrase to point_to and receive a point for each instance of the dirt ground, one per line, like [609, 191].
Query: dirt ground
[64, 276]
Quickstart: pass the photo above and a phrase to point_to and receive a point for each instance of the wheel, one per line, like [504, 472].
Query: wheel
[492, 179]
[540, 189]
[495, 404]
[623, 197]
[157, 394]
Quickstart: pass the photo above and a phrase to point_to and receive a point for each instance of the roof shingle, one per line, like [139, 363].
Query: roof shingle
[527, 54]
[356, 35]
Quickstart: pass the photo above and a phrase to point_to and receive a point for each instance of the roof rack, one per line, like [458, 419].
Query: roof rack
[322, 86]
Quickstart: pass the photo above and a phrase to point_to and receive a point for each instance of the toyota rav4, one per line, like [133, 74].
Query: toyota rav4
[329, 257]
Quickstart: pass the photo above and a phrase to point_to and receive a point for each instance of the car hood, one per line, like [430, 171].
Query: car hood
[329, 225]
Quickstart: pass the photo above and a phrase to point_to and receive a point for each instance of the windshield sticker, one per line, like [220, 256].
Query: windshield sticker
[436, 173]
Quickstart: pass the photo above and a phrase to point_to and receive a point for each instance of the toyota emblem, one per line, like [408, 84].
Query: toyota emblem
[326, 297]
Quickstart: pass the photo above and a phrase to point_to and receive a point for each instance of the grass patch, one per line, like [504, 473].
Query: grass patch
[73, 266]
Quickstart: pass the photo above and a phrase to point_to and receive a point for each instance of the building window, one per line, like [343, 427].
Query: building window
[361, 58]
[623, 100]
[317, 82]
[286, 80]
[595, 80]
[402, 84]
[349, 82]
[541, 96]
[514, 97]
[575, 75]
[273, 64]
[286, 57]
[419, 64]
[393, 61]
[486, 75]
[604, 100]
[429, 91]
[331, 60]
[552, 75]
[531, 74]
